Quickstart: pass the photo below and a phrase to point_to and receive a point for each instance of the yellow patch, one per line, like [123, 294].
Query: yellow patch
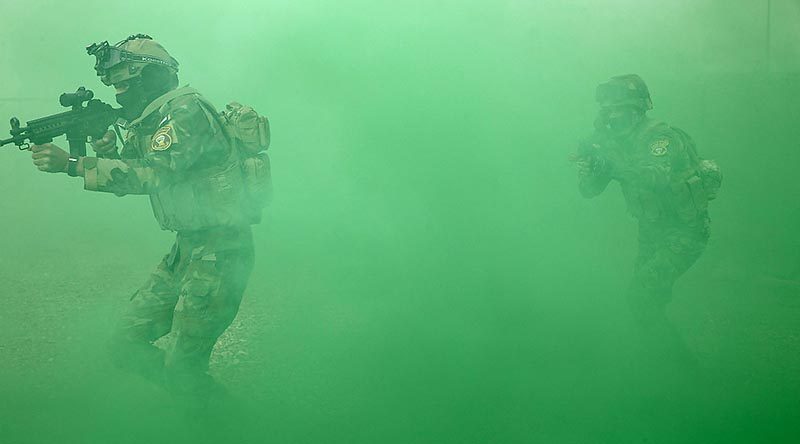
[659, 147]
[163, 138]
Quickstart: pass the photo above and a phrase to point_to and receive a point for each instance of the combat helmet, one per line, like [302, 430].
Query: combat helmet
[627, 89]
[126, 59]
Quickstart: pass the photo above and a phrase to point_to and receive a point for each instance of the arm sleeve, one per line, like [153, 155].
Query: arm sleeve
[185, 140]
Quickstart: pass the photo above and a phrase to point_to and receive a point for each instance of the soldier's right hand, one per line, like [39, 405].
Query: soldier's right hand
[106, 145]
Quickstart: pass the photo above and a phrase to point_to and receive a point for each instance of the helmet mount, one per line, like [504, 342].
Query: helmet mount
[126, 59]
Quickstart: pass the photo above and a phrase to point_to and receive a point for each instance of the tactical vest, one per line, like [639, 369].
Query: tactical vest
[199, 199]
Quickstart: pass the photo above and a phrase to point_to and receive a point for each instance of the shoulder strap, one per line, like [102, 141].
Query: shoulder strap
[161, 101]
[213, 115]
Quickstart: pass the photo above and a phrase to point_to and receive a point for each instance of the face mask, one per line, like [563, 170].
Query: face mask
[142, 90]
[133, 102]
[619, 122]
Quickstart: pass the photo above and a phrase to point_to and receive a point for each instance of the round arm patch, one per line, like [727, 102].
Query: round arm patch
[658, 147]
[163, 138]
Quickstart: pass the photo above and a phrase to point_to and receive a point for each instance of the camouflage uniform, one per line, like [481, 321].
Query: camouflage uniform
[178, 154]
[658, 170]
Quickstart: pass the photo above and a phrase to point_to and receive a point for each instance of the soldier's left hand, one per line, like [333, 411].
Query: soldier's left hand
[585, 167]
[49, 158]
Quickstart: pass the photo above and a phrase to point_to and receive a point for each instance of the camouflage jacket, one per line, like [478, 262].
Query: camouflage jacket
[656, 169]
[176, 153]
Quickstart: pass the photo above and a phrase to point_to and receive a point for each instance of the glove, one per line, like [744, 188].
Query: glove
[106, 146]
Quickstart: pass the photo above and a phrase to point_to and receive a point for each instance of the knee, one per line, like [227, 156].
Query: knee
[205, 318]
[129, 351]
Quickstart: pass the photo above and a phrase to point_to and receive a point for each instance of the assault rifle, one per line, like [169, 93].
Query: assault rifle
[588, 149]
[91, 119]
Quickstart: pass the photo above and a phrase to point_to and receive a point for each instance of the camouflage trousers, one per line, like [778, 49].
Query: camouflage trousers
[666, 252]
[194, 295]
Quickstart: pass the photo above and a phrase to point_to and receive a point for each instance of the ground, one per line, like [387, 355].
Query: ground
[303, 363]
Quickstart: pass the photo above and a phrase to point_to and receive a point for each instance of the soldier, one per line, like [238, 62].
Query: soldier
[666, 186]
[175, 151]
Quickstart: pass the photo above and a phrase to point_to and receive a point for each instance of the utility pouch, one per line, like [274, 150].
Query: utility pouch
[246, 128]
[711, 176]
[698, 193]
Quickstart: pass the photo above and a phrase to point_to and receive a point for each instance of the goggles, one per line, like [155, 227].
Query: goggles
[613, 93]
[108, 56]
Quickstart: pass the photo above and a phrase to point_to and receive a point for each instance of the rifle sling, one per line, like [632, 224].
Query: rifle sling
[161, 101]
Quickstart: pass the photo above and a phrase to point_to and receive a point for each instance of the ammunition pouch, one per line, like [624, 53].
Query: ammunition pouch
[711, 176]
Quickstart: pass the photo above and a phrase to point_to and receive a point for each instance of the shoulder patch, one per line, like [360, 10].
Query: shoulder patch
[163, 138]
[659, 147]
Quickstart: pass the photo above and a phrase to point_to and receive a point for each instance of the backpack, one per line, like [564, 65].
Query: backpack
[249, 136]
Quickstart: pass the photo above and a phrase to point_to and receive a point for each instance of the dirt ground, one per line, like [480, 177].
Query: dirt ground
[320, 369]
